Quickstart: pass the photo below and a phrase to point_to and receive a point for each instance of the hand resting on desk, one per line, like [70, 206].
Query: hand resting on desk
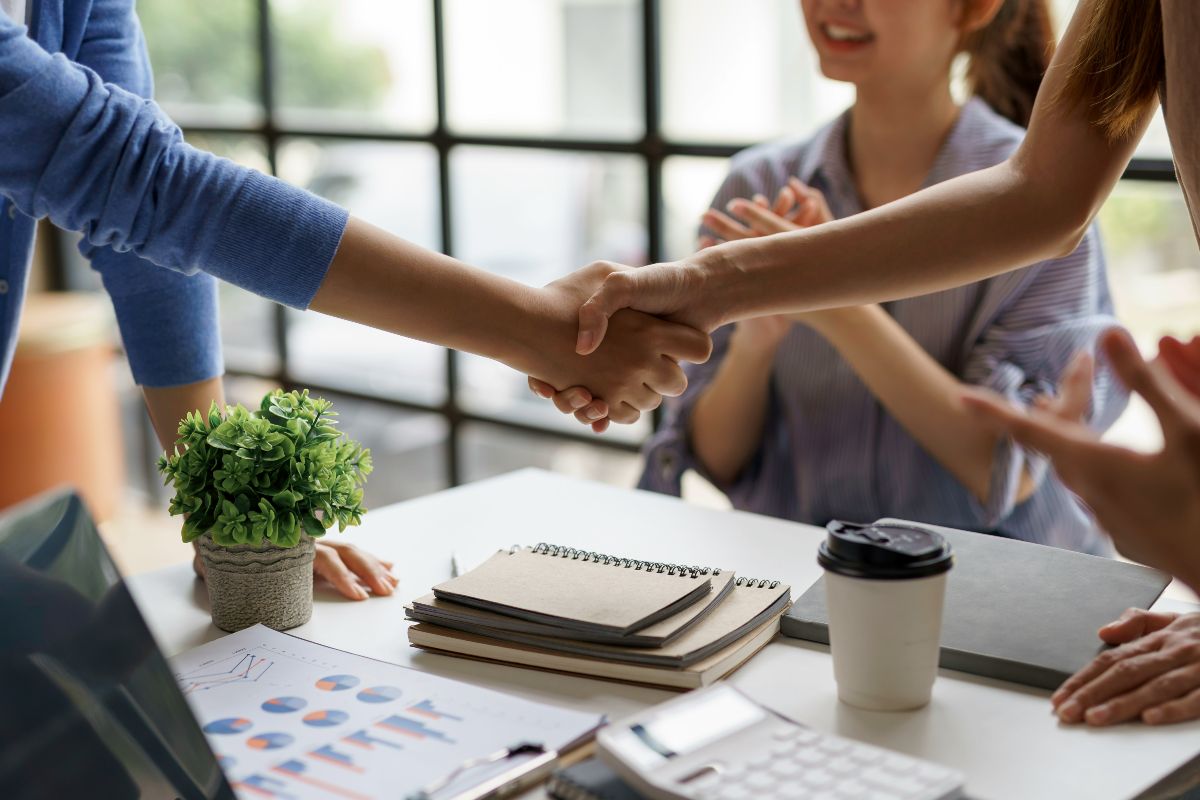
[347, 569]
[1153, 675]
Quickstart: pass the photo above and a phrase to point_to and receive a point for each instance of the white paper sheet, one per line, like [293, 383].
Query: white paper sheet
[290, 719]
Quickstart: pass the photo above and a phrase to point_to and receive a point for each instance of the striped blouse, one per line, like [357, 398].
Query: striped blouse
[831, 451]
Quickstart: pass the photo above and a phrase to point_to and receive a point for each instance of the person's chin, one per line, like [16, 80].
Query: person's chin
[838, 70]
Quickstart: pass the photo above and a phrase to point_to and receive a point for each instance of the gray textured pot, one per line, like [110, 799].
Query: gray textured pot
[249, 584]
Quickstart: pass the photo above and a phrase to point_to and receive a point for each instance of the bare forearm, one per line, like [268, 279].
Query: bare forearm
[168, 405]
[916, 390]
[1034, 206]
[726, 425]
[380, 280]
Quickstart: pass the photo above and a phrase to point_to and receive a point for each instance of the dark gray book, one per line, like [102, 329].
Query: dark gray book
[1015, 611]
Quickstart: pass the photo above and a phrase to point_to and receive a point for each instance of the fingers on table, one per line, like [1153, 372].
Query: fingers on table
[1096, 669]
[368, 568]
[1135, 623]
[329, 565]
[1172, 686]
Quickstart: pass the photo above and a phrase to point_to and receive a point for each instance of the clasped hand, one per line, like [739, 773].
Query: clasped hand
[637, 364]
[796, 206]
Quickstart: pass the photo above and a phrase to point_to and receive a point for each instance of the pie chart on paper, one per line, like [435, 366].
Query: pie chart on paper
[228, 725]
[337, 683]
[325, 719]
[284, 705]
[270, 741]
[379, 694]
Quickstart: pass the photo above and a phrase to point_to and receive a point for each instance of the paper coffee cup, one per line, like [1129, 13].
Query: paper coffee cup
[885, 587]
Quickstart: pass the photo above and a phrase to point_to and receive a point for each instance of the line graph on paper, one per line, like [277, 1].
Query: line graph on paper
[248, 665]
[245, 667]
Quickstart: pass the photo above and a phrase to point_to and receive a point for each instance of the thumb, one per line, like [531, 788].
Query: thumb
[614, 293]
[1134, 624]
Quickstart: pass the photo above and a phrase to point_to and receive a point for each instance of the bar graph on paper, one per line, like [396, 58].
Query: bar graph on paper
[293, 720]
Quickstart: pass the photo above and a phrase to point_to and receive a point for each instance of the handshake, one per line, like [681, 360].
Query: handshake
[625, 359]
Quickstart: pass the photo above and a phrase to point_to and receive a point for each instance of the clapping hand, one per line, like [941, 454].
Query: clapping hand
[1148, 503]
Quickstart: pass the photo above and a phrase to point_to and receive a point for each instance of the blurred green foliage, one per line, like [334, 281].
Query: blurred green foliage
[206, 53]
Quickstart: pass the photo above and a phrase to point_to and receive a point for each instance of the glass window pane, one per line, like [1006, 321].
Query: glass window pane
[354, 63]
[741, 72]
[545, 67]
[489, 450]
[393, 186]
[205, 57]
[689, 185]
[535, 216]
[1155, 274]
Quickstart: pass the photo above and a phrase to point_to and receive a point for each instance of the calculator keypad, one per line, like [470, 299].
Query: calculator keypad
[800, 764]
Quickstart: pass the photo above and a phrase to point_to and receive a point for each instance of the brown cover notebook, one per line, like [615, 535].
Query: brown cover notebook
[1016, 611]
[747, 607]
[578, 590]
[470, 619]
[716, 666]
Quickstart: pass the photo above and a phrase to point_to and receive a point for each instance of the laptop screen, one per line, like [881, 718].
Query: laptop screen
[88, 704]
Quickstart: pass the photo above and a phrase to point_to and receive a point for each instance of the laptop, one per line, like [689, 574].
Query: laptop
[88, 705]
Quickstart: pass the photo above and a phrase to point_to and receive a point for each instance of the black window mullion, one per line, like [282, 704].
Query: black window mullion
[653, 147]
[442, 140]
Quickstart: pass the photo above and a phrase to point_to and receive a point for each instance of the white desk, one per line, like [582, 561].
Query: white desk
[1002, 736]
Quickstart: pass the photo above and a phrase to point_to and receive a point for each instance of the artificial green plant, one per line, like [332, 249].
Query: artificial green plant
[273, 474]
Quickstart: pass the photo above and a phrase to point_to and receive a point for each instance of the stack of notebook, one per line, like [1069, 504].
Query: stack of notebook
[568, 610]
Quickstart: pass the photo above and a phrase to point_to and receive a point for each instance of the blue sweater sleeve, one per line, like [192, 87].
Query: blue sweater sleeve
[98, 159]
[169, 321]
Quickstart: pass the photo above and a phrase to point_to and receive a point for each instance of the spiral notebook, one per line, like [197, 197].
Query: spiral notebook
[471, 619]
[749, 605]
[568, 610]
[574, 589]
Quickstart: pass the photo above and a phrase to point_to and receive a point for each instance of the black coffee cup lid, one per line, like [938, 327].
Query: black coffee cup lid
[884, 552]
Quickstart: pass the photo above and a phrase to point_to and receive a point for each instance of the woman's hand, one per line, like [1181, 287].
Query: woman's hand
[347, 568]
[1153, 674]
[1148, 503]
[796, 206]
[630, 373]
[1183, 360]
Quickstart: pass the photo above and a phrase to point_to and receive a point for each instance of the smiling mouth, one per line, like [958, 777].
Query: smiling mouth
[845, 35]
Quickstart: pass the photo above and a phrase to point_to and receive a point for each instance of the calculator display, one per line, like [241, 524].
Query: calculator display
[712, 716]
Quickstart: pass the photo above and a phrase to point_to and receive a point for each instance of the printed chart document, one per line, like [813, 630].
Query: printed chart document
[291, 719]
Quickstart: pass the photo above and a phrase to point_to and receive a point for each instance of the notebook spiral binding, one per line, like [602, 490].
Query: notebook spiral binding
[682, 570]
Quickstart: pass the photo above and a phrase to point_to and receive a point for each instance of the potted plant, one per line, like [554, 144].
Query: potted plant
[255, 489]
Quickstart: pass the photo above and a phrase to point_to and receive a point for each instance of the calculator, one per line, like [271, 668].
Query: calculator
[718, 744]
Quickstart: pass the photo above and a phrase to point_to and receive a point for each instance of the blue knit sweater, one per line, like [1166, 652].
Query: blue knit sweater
[80, 144]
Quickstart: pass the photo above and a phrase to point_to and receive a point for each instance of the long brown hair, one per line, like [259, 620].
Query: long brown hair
[1009, 56]
[1119, 65]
